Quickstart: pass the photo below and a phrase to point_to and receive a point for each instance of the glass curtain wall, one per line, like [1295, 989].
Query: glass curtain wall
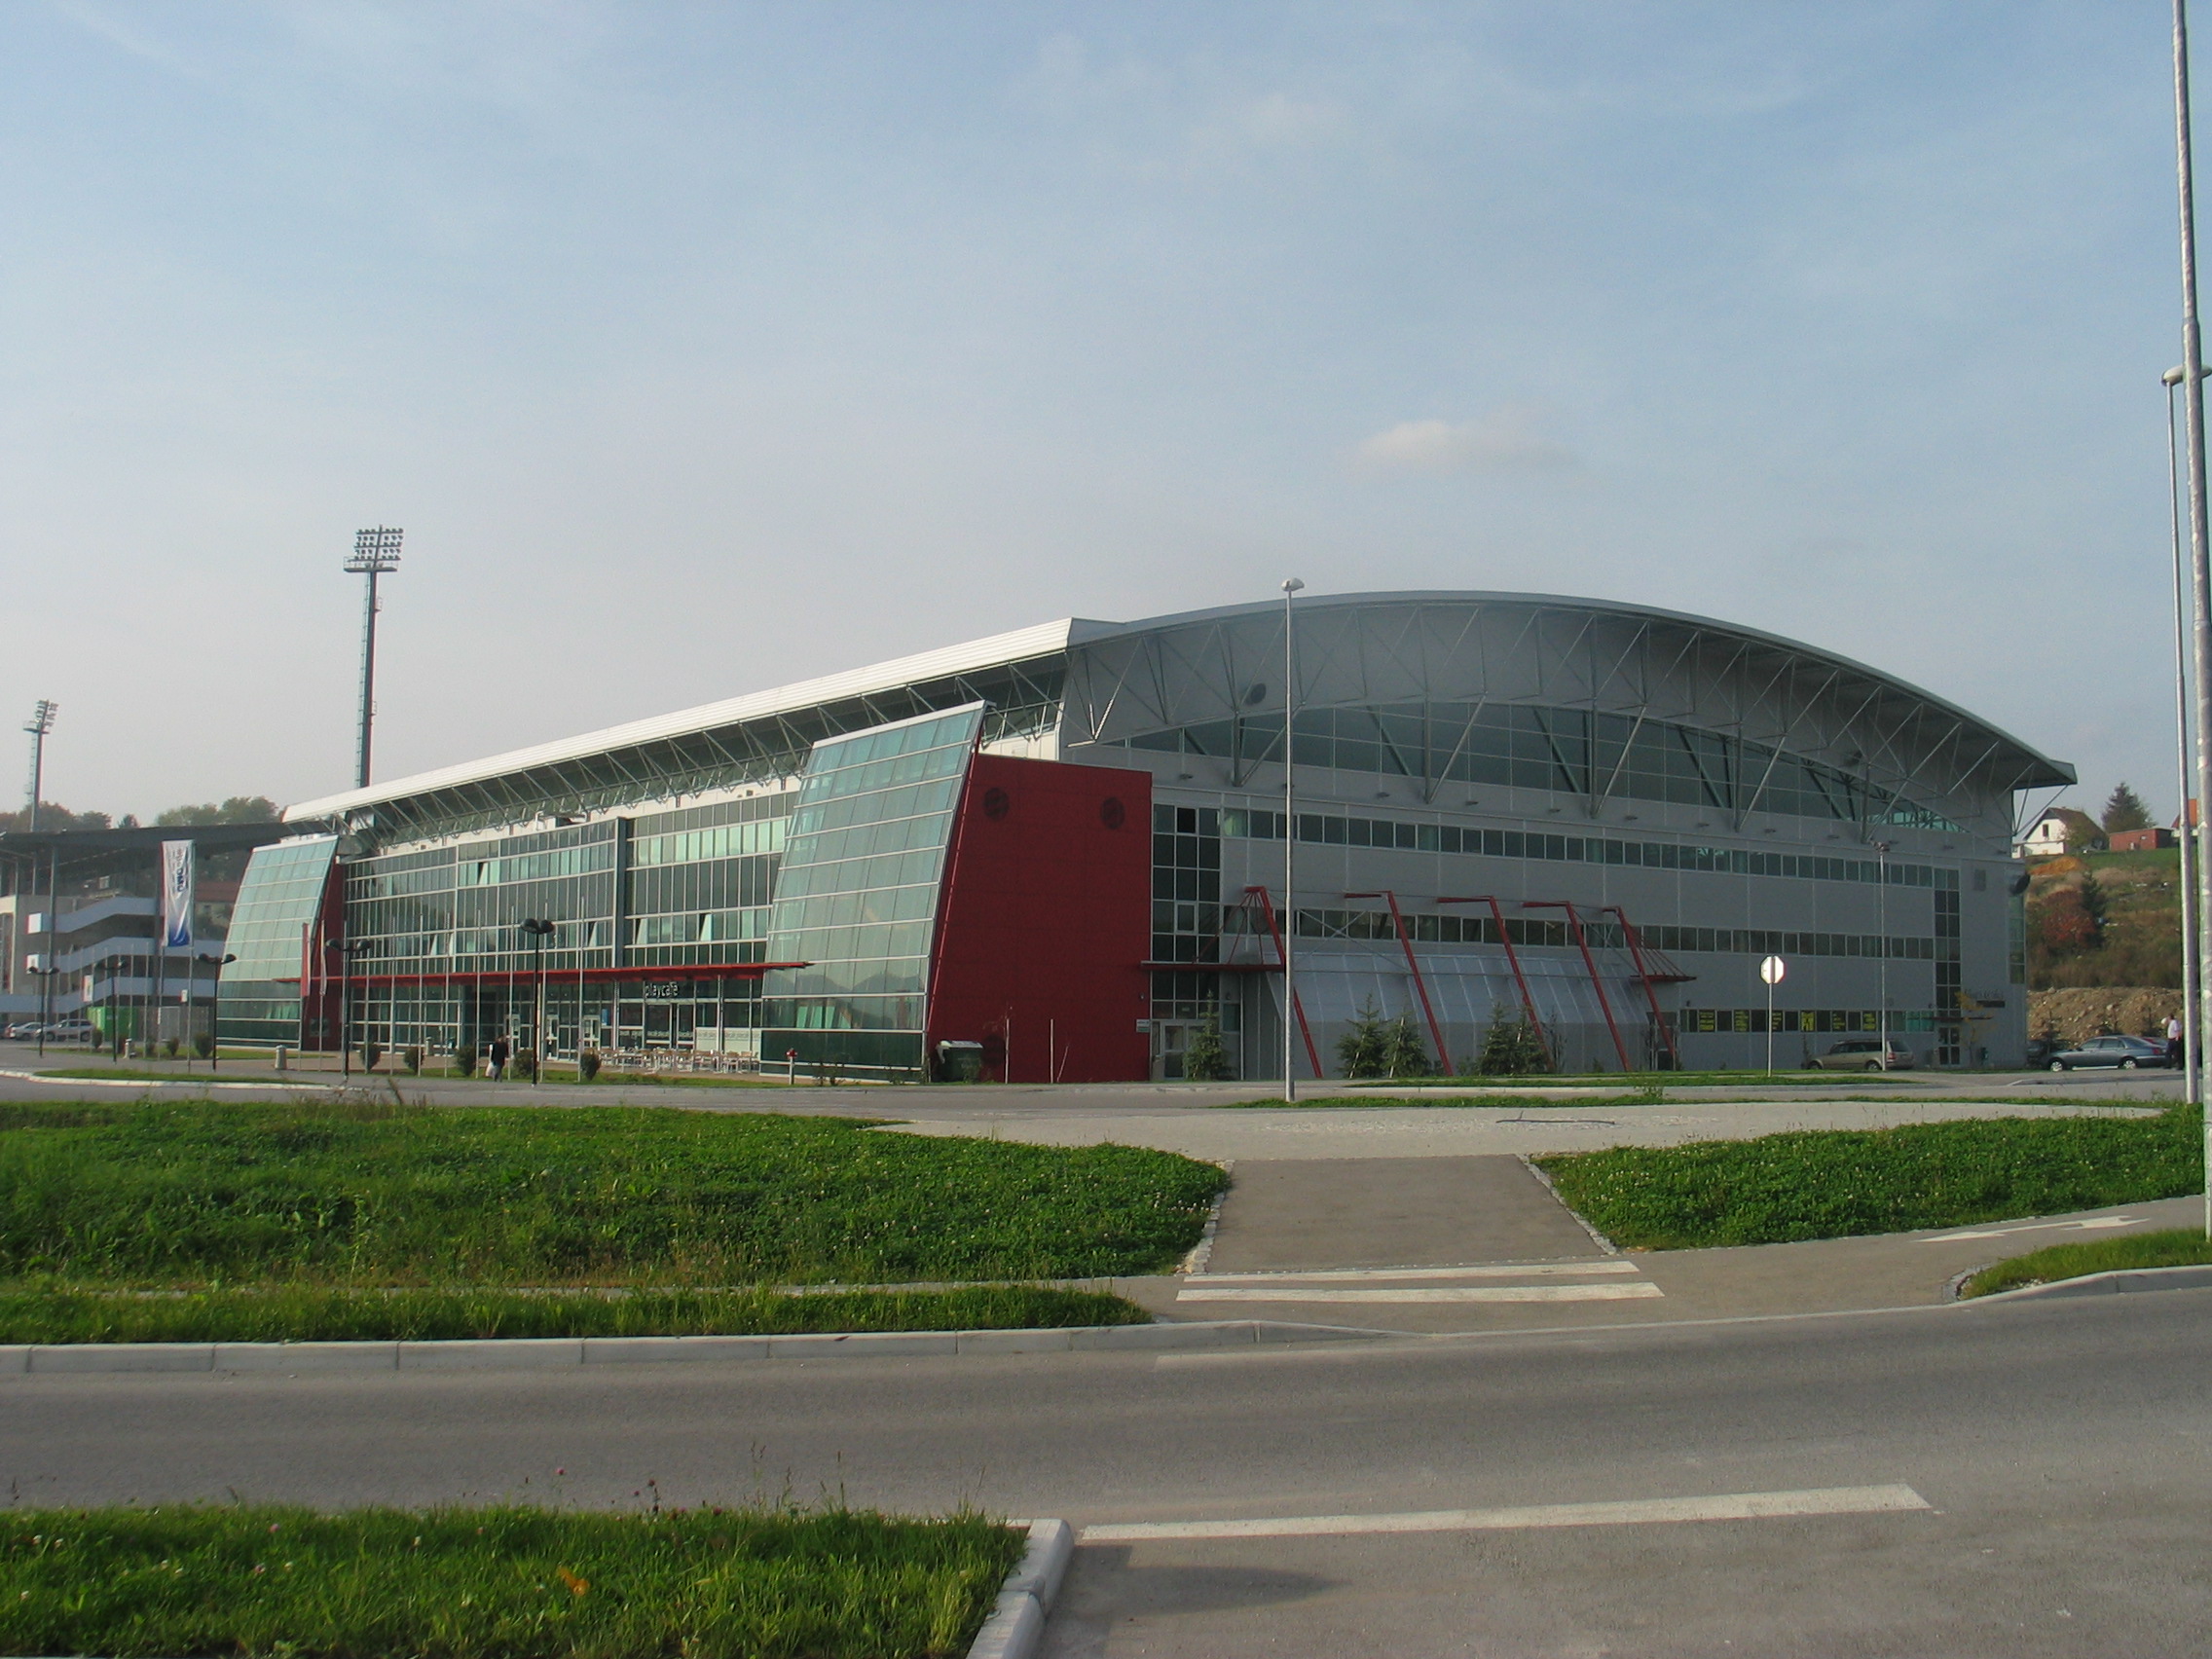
[278, 902]
[448, 965]
[857, 896]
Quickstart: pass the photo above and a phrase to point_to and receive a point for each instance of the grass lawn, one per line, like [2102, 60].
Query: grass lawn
[1842, 1183]
[363, 1193]
[496, 1583]
[2178, 1247]
[291, 1313]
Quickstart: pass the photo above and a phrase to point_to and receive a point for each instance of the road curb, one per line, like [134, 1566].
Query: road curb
[1016, 1625]
[142, 1084]
[2120, 1281]
[544, 1354]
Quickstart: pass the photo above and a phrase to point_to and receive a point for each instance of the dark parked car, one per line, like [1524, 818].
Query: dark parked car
[2125, 1053]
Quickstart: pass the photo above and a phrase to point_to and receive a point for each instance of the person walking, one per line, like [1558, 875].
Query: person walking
[2173, 1042]
[501, 1050]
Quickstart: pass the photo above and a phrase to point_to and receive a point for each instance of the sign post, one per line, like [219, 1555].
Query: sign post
[1772, 970]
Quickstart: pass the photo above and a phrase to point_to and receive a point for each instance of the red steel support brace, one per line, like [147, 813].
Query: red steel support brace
[1582, 944]
[1513, 961]
[1635, 943]
[1297, 1003]
[1413, 967]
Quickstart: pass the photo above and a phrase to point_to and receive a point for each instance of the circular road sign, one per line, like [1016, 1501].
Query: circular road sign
[1773, 968]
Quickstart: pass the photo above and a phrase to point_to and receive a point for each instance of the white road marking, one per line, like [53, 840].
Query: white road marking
[1433, 1293]
[1496, 1269]
[2095, 1224]
[1727, 1506]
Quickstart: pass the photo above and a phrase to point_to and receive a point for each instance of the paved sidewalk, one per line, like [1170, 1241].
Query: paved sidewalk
[1391, 1212]
[1515, 1262]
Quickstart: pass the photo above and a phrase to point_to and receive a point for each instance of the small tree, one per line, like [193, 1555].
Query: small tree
[2124, 810]
[1511, 1047]
[1364, 1049]
[1404, 1054]
[2091, 897]
[1207, 1059]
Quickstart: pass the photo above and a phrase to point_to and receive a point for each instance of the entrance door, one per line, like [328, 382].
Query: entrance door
[1170, 1040]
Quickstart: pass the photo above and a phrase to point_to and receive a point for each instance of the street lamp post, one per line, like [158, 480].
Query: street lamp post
[215, 1007]
[2192, 967]
[2199, 531]
[539, 929]
[45, 1003]
[346, 952]
[1290, 590]
[1881, 912]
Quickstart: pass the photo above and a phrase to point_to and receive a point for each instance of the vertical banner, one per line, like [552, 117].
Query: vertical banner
[176, 894]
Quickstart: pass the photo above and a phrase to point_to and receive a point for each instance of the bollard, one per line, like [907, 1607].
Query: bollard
[282, 1054]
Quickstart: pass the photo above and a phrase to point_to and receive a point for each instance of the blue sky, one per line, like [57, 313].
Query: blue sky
[701, 348]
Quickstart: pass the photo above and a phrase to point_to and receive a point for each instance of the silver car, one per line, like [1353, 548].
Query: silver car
[1862, 1054]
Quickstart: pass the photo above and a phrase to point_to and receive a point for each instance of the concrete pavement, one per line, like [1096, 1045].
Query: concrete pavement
[2060, 1449]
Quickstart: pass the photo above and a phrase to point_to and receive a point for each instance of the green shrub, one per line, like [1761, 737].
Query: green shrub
[202, 1045]
[587, 1065]
[412, 1058]
[464, 1059]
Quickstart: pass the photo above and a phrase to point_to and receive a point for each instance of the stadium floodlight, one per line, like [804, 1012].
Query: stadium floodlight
[376, 553]
[38, 725]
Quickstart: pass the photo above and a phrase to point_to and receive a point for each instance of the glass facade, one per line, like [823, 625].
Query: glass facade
[278, 901]
[857, 896]
[1566, 751]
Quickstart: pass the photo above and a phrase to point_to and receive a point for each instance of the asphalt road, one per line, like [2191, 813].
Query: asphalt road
[2063, 1451]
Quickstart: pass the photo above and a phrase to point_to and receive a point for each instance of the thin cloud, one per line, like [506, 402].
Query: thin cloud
[1505, 441]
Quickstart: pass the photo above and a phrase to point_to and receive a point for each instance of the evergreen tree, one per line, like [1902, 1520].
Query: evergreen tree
[1364, 1049]
[1511, 1047]
[2091, 896]
[2126, 810]
[1404, 1054]
[1207, 1059]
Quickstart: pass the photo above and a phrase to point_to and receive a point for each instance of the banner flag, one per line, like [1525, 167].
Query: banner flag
[176, 894]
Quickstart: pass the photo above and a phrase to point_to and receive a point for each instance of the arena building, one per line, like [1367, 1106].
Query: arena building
[1057, 854]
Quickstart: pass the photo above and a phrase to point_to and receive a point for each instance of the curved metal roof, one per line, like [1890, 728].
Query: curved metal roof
[1997, 758]
[2003, 762]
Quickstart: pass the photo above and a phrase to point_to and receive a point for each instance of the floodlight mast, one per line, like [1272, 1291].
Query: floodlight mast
[375, 553]
[38, 725]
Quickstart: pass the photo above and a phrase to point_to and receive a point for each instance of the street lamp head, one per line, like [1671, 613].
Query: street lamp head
[536, 927]
[1293, 585]
[2175, 375]
[213, 961]
[374, 551]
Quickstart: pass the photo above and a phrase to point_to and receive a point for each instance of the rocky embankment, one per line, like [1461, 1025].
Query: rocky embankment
[2081, 1011]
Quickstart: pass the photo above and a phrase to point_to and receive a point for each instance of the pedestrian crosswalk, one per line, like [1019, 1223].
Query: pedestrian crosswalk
[1603, 1279]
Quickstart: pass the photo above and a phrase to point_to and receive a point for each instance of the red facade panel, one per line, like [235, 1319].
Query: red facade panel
[1044, 923]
